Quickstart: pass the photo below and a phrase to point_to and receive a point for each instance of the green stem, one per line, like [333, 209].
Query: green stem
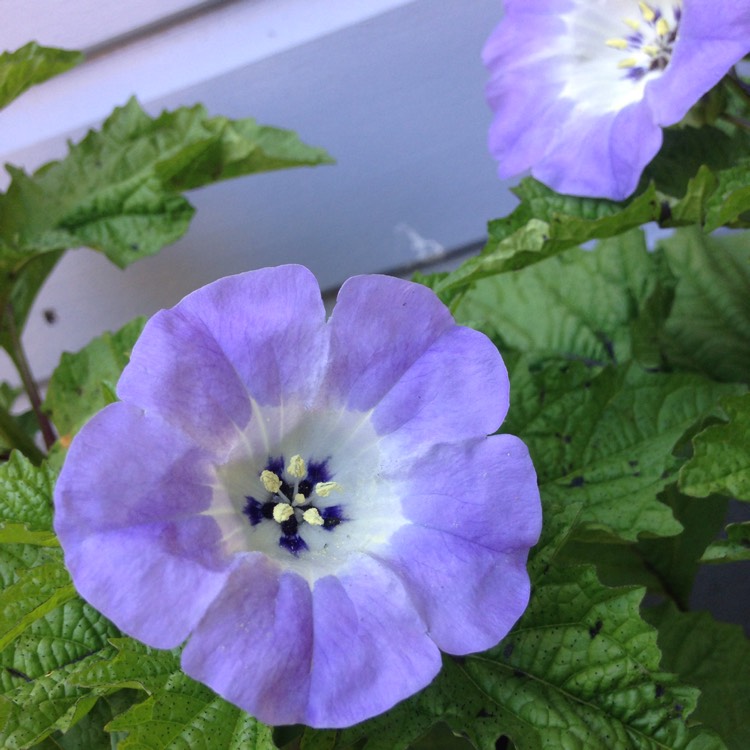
[27, 379]
[15, 437]
[739, 122]
[739, 85]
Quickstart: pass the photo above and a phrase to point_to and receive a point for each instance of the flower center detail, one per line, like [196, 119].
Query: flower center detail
[649, 43]
[296, 498]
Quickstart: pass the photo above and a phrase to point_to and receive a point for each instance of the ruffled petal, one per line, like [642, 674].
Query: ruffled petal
[130, 523]
[602, 155]
[254, 646]
[482, 491]
[371, 647]
[259, 335]
[457, 389]
[470, 596]
[379, 327]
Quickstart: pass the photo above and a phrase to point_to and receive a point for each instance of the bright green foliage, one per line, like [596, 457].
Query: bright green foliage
[544, 225]
[581, 670]
[84, 382]
[119, 190]
[37, 697]
[709, 325]
[604, 437]
[25, 502]
[29, 65]
[734, 548]
[714, 657]
[180, 713]
[721, 460]
[577, 305]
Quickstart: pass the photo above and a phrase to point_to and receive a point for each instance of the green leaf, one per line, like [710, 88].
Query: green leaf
[118, 190]
[81, 384]
[179, 713]
[731, 198]
[545, 224]
[721, 459]
[709, 326]
[715, 657]
[577, 305]
[604, 437]
[734, 548]
[29, 65]
[186, 714]
[38, 698]
[581, 669]
[26, 494]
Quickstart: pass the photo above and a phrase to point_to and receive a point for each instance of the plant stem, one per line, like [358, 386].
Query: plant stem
[27, 379]
[15, 437]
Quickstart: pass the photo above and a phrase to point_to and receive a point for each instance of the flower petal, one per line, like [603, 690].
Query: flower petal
[254, 646]
[457, 389]
[131, 524]
[469, 596]
[483, 491]
[379, 327]
[371, 647]
[258, 335]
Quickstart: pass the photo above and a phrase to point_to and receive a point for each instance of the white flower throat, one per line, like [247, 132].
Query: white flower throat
[611, 50]
[650, 40]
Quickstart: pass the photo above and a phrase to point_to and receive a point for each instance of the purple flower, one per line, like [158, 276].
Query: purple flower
[581, 88]
[315, 506]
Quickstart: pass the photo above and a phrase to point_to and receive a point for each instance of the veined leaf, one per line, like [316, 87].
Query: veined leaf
[734, 548]
[29, 65]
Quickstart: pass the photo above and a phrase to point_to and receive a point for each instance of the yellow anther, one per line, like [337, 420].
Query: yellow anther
[297, 467]
[647, 12]
[617, 43]
[282, 512]
[635, 25]
[324, 489]
[651, 50]
[662, 27]
[629, 62]
[299, 499]
[313, 517]
[270, 481]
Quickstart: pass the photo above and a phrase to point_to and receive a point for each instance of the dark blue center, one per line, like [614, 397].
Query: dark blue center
[262, 510]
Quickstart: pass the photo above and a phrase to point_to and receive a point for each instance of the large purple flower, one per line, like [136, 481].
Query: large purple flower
[581, 88]
[315, 506]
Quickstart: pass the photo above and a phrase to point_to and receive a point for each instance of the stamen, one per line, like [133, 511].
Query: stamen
[324, 489]
[282, 512]
[617, 43]
[651, 50]
[628, 62]
[297, 467]
[635, 25]
[270, 481]
[313, 517]
[647, 13]
[299, 499]
[662, 27]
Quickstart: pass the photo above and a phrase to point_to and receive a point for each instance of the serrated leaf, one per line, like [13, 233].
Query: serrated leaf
[186, 714]
[604, 437]
[709, 326]
[37, 697]
[79, 386]
[118, 190]
[35, 593]
[731, 198]
[545, 224]
[734, 548]
[29, 65]
[577, 305]
[721, 458]
[714, 657]
[581, 669]
[26, 494]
